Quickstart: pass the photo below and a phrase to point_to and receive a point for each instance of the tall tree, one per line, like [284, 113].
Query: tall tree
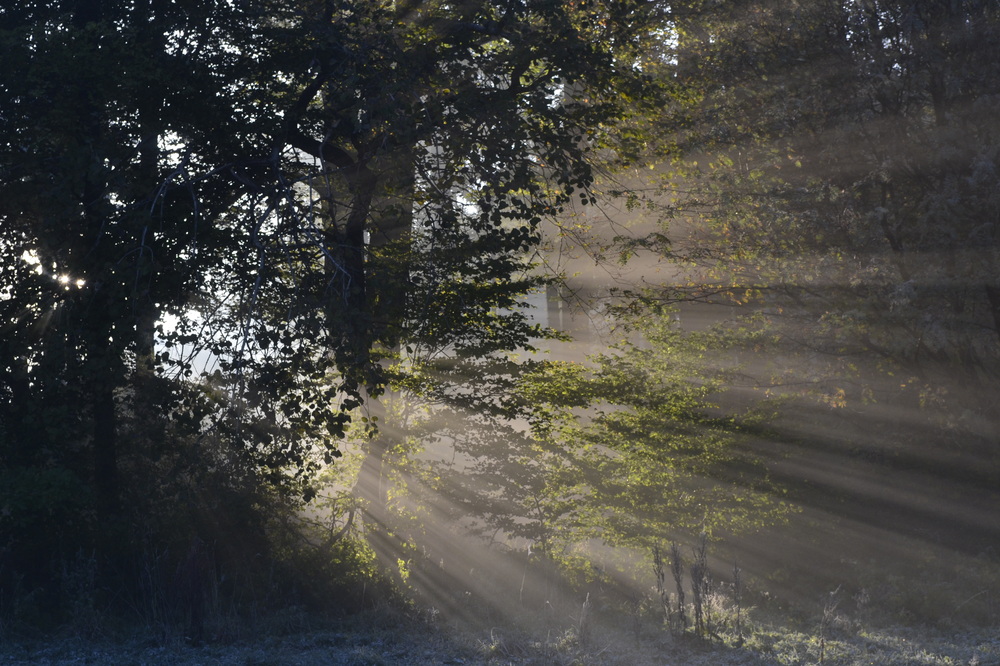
[831, 168]
[287, 190]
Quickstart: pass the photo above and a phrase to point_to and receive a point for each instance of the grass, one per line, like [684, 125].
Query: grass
[937, 612]
[384, 636]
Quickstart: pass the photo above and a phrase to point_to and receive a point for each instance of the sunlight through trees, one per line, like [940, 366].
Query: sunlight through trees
[277, 277]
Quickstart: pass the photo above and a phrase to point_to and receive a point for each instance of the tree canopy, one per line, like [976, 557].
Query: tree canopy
[219, 218]
[230, 228]
[828, 164]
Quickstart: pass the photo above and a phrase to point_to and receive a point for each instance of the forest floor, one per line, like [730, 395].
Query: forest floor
[394, 639]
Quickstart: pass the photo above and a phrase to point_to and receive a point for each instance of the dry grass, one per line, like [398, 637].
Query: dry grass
[412, 641]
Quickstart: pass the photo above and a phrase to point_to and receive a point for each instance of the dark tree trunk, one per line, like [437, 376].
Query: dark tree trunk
[106, 483]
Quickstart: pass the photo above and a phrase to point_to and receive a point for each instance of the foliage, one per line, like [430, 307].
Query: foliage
[631, 448]
[219, 220]
[666, 451]
[826, 168]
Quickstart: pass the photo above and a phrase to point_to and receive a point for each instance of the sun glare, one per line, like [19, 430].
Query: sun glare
[69, 282]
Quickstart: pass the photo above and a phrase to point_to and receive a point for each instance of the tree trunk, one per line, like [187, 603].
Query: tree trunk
[105, 452]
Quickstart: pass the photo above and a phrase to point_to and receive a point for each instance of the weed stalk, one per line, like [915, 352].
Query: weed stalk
[677, 569]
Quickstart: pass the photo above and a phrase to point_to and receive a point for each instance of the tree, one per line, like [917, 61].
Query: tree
[830, 168]
[632, 448]
[288, 190]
